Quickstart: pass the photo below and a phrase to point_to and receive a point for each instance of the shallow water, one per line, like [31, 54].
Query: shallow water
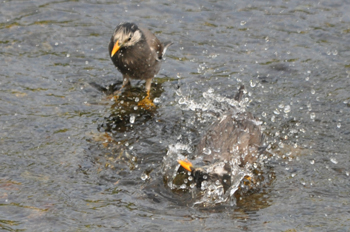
[72, 160]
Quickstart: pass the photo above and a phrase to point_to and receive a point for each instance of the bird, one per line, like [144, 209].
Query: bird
[234, 136]
[137, 53]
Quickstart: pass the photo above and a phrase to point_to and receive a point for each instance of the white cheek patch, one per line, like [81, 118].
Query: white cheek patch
[136, 37]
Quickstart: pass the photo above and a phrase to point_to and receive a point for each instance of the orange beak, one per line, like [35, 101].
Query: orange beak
[186, 164]
[115, 48]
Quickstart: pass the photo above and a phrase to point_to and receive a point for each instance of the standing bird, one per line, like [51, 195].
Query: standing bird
[136, 53]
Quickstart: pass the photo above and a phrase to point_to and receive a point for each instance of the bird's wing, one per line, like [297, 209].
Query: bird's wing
[153, 42]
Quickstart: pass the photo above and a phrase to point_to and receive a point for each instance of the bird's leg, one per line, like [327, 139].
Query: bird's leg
[118, 92]
[147, 103]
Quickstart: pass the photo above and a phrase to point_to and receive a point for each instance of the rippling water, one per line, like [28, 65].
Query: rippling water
[71, 159]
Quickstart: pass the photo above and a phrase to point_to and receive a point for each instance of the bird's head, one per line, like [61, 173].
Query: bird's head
[200, 174]
[125, 35]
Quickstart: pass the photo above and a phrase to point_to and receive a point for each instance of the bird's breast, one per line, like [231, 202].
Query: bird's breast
[137, 62]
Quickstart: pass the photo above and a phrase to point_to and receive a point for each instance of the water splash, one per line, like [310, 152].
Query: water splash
[211, 102]
[211, 190]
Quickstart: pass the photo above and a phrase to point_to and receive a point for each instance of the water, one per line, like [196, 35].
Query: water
[72, 160]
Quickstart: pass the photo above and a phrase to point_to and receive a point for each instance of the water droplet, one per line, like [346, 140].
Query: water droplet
[338, 124]
[263, 114]
[333, 160]
[243, 23]
[156, 100]
[210, 90]
[281, 145]
[206, 151]
[137, 99]
[312, 116]
[144, 176]
[287, 109]
[273, 118]
[182, 101]
[132, 118]
[68, 55]
[252, 84]
[312, 162]
[276, 111]
[86, 62]
[313, 91]
[205, 177]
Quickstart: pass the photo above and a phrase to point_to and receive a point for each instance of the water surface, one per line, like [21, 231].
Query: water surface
[71, 160]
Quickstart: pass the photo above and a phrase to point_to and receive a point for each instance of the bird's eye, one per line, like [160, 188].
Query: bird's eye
[129, 38]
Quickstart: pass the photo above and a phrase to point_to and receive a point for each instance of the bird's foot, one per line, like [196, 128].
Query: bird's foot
[115, 97]
[146, 103]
